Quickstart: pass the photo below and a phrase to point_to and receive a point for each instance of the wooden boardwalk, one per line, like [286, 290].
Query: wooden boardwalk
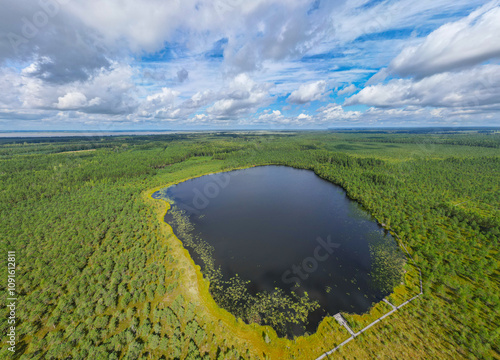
[344, 323]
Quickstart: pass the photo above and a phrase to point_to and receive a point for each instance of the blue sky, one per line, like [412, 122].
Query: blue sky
[234, 64]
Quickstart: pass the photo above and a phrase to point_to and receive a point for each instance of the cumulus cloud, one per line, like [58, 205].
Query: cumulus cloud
[72, 100]
[308, 92]
[275, 117]
[200, 99]
[304, 117]
[243, 95]
[63, 48]
[429, 116]
[140, 26]
[107, 92]
[469, 41]
[478, 86]
[255, 31]
[271, 116]
[273, 30]
[166, 97]
[335, 112]
[409, 112]
[347, 90]
[331, 114]
[447, 79]
[161, 105]
[240, 96]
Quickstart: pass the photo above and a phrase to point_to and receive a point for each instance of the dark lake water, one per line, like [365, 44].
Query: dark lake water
[282, 227]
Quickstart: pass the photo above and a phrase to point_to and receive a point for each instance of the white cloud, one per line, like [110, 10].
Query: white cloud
[72, 100]
[242, 95]
[400, 113]
[416, 115]
[161, 105]
[273, 30]
[108, 92]
[308, 92]
[474, 87]
[469, 41]
[347, 90]
[303, 116]
[61, 47]
[334, 112]
[167, 96]
[137, 25]
[274, 116]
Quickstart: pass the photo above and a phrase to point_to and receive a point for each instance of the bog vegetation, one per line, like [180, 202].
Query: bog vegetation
[100, 276]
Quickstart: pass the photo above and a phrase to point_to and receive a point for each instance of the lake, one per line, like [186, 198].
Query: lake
[280, 227]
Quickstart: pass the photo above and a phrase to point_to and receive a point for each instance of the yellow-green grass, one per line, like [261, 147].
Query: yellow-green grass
[358, 322]
[408, 289]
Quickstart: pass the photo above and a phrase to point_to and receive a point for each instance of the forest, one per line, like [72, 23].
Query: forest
[100, 275]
